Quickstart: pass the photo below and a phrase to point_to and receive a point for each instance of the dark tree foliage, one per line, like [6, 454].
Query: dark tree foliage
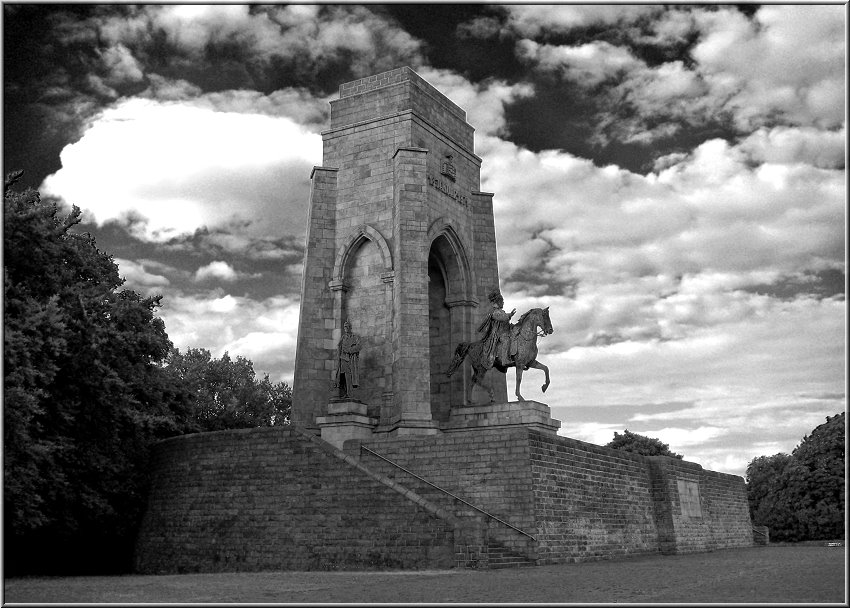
[226, 393]
[769, 498]
[801, 496]
[84, 395]
[819, 480]
[640, 444]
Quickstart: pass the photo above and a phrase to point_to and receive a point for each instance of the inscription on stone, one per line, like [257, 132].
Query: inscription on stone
[448, 189]
[689, 498]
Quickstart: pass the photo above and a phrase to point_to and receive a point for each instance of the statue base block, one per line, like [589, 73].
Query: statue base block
[346, 420]
[527, 414]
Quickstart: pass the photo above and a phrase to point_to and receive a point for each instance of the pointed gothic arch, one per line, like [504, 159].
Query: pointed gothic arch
[460, 286]
[343, 255]
[450, 306]
[362, 285]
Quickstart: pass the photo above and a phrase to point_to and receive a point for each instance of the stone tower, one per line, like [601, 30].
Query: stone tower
[400, 242]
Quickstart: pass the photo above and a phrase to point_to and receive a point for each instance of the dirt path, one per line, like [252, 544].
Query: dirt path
[794, 574]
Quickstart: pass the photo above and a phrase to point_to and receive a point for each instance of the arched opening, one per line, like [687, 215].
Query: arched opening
[445, 326]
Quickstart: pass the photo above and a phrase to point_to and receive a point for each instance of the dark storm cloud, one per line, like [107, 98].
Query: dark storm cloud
[288, 249]
[262, 266]
[828, 283]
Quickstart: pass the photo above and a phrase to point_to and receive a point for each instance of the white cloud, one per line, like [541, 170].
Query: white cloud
[484, 103]
[216, 270]
[711, 211]
[139, 278]
[122, 66]
[797, 145]
[176, 168]
[533, 19]
[299, 105]
[785, 66]
[263, 331]
[749, 377]
[590, 63]
[787, 60]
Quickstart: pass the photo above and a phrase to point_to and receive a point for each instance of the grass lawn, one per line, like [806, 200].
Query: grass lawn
[802, 573]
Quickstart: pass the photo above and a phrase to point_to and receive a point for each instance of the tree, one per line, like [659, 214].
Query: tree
[768, 479]
[640, 444]
[226, 393]
[84, 394]
[801, 496]
[819, 480]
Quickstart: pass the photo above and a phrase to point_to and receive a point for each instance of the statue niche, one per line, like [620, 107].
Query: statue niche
[364, 304]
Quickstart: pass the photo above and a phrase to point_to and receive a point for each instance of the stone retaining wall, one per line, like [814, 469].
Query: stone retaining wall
[590, 502]
[699, 510]
[580, 501]
[269, 499]
[274, 499]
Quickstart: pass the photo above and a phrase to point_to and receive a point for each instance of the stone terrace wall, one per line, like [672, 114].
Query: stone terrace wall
[487, 468]
[269, 499]
[699, 510]
[590, 502]
[273, 499]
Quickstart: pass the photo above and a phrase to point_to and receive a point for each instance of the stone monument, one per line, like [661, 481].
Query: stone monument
[385, 464]
[401, 242]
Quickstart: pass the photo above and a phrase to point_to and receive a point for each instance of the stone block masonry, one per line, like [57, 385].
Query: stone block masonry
[400, 242]
[269, 499]
[578, 500]
[276, 499]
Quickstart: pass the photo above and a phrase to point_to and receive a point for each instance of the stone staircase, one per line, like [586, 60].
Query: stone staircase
[500, 556]
[500, 546]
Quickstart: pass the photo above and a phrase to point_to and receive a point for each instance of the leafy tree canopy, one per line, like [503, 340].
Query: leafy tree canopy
[800, 496]
[226, 392]
[84, 395]
[640, 444]
[91, 381]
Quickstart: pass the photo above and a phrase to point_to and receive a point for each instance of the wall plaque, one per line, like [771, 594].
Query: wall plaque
[689, 498]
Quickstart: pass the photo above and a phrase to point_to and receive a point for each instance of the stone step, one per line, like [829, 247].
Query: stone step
[500, 556]
[514, 564]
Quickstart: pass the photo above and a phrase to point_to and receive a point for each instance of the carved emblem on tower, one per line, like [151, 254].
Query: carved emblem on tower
[448, 169]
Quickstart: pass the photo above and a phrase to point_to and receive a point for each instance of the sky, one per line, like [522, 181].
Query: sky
[670, 181]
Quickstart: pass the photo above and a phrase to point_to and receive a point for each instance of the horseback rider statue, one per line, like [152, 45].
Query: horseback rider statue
[504, 345]
[498, 346]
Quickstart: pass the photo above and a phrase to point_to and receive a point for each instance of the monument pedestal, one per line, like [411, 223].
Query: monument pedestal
[346, 419]
[528, 414]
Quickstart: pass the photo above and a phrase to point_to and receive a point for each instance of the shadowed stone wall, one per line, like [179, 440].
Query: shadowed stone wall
[270, 499]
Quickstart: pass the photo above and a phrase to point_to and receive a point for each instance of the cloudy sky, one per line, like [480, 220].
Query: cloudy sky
[670, 181]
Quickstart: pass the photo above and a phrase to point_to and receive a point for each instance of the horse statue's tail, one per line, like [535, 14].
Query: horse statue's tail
[460, 354]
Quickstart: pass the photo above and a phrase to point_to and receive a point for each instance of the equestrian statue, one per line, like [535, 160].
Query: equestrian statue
[504, 345]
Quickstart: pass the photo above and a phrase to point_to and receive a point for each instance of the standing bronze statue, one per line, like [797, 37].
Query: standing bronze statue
[347, 375]
[504, 345]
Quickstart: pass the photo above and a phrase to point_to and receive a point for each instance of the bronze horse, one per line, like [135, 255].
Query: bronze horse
[524, 333]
